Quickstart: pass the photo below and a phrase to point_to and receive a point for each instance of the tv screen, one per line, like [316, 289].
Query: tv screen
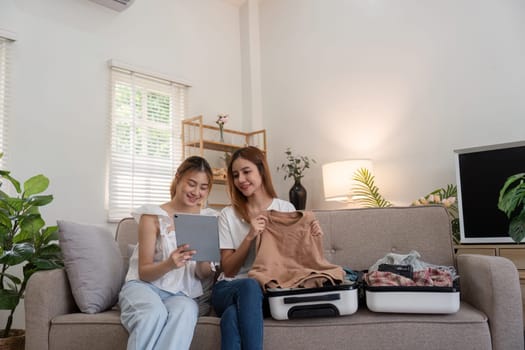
[481, 173]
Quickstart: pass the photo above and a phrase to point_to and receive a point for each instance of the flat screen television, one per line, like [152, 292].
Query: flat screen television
[480, 174]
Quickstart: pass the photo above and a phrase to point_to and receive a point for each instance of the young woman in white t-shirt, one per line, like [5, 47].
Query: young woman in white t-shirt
[236, 298]
[156, 302]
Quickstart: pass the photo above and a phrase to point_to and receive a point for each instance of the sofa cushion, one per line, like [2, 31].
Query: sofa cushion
[466, 329]
[93, 265]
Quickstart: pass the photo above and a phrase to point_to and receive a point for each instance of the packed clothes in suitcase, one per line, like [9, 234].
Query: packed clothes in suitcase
[336, 300]
[291, 268]
[398, 288]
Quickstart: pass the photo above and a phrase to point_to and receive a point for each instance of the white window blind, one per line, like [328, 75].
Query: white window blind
[145, 139]
[4, 97]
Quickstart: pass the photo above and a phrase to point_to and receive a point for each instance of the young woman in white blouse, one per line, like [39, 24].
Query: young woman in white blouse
[157, 301]
[237, 298]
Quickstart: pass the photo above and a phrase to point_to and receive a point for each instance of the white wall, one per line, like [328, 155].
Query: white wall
[403, 82]
[60, 81]
[60, 95]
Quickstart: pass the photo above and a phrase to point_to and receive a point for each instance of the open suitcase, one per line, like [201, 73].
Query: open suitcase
[325, 301]
[427, 300]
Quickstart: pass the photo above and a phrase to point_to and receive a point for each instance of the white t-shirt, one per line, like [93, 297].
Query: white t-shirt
[177, 280]
[233, 230]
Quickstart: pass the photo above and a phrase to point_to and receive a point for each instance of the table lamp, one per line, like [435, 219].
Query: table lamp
[338, 178]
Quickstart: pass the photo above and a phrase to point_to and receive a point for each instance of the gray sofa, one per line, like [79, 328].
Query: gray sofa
[490, 315]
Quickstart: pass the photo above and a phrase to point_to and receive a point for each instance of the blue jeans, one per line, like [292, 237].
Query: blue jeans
[239, 304]
[156, 319]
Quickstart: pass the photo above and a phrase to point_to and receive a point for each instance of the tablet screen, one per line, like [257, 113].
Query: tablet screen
[201, 232]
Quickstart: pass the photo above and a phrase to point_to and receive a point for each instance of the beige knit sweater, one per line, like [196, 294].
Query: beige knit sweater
[289, 253]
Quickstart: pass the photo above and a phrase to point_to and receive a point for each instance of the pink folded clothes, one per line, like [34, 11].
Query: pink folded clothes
[426, 277]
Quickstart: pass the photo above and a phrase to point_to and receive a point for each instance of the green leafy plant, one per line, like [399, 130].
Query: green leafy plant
[24, 239]
[366, 192]
[295, 165]
[446, 197]
[512, 203]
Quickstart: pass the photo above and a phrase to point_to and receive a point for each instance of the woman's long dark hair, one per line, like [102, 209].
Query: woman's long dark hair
[189, 164]
[257, 157]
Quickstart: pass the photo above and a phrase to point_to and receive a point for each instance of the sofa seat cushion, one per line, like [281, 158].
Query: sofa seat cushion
[107, 317]
[101, 331]
[466, 329]
[466, 315]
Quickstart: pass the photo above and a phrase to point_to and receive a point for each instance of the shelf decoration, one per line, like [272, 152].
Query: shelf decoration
[221, 120]
[219, 174]
[203, 140]
[294, 167]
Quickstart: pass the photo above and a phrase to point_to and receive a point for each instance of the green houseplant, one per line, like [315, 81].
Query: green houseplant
[512, 203]
[365, 192]
[446, 197]
[295, 165]
[24, 239]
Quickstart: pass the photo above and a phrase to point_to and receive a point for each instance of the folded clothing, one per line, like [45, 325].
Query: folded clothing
[427, 277]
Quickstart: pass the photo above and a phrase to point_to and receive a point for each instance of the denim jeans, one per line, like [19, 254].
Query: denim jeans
[156, 319]
[239, 304]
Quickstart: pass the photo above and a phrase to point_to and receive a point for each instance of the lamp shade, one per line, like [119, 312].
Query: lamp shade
[337, 178]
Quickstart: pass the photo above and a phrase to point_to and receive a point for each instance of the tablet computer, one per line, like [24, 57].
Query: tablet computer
[201, 232]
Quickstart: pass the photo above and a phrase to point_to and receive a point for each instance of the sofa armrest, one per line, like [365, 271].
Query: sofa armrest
[47, 295]
[492, 285]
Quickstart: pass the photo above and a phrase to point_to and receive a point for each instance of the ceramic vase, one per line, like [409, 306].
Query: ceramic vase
[298, 195]
[221, 132]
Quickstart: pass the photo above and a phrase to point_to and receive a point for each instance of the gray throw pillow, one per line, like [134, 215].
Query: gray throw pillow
[204, 301]
[93, 265]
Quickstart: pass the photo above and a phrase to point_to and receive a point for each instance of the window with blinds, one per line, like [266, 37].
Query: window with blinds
[146, 149]
[4, 94]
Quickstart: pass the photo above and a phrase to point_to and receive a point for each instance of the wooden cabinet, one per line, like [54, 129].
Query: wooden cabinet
[475, 250]
[513, 252]
[204, 140]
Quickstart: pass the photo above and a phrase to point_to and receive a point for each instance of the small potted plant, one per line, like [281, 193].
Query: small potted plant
[25, 241]
[294, 167]
[512, 203]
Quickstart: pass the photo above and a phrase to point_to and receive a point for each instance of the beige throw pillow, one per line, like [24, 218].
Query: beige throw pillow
[93, 265]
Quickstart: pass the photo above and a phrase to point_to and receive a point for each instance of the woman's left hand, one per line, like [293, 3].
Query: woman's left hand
[316, 228]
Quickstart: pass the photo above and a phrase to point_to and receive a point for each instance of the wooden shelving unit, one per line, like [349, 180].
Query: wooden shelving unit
[197, 137]
[204, 140]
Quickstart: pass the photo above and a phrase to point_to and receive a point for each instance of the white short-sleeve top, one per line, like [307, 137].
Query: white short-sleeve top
[177, 280]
